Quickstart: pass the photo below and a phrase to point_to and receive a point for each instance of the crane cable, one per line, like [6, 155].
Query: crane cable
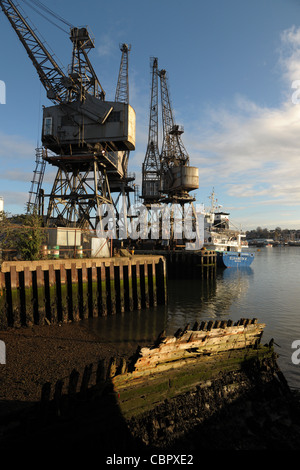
[49, 11]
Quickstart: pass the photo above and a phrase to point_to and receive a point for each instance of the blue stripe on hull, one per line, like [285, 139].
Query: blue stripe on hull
[233, 259]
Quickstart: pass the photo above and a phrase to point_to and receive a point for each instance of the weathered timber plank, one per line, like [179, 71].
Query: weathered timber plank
[195, 343]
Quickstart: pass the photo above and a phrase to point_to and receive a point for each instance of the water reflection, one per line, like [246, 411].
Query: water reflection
[137, 326]
[205, 299]
[188, 301]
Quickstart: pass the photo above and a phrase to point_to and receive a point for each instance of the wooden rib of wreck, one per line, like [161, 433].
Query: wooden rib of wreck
[188, 345]
[185, 345]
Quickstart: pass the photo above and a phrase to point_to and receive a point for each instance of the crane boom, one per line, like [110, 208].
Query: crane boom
[173, 150]
[82, 77]
[122, 91]
[49, 72]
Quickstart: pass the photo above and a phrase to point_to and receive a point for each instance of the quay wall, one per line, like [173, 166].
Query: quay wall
[52, 291]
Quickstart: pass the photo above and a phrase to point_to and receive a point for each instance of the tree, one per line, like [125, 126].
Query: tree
[22, 233]
[30, 237]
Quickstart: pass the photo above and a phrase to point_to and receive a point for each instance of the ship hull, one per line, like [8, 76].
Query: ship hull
[234, 259]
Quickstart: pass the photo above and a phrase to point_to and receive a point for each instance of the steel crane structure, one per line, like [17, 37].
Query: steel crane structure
[178, 178]
[167, 174]
[151, 167]
[85, 137]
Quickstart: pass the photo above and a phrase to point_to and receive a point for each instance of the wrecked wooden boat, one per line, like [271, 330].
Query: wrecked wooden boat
[178, 363]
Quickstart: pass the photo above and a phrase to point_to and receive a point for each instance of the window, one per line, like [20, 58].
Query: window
[48, 126]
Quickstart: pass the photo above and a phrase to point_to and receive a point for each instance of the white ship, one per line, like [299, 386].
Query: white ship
[229, 243]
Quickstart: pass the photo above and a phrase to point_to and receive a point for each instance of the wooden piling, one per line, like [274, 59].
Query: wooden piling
[129, 288]
[146, 284]
[3, 302]
[40, 296]
[153, 284]
[94, 291]
[75, 298]
[136, 286]
[28, 297]
[51, 291]
[103, 292]
[62, 293]
[84, 291]
[161, 282]
[15, 297]
[112, 288]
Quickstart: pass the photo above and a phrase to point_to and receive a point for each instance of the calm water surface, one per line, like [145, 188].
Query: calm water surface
[268, 291]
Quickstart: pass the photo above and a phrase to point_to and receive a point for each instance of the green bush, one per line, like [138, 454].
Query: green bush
[23, 233]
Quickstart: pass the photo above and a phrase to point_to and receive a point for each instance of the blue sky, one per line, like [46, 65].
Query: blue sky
[231, 65]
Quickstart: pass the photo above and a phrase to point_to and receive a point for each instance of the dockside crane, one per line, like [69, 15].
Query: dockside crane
[178, 178]
[151, 170]
[84, 136]
[125, 186]
[168, 177]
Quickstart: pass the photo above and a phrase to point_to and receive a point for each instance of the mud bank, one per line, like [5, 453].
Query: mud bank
[249, 408]
[39, 354]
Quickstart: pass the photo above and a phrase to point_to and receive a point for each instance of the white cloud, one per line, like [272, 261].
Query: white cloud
[290, 53]
[107, 45]
[14, 199]
[255, 150]
[15, 146]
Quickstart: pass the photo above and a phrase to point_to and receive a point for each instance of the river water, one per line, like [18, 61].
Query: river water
[269, 290]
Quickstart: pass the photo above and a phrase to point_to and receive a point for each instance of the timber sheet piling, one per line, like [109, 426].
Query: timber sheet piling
[51, 291]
